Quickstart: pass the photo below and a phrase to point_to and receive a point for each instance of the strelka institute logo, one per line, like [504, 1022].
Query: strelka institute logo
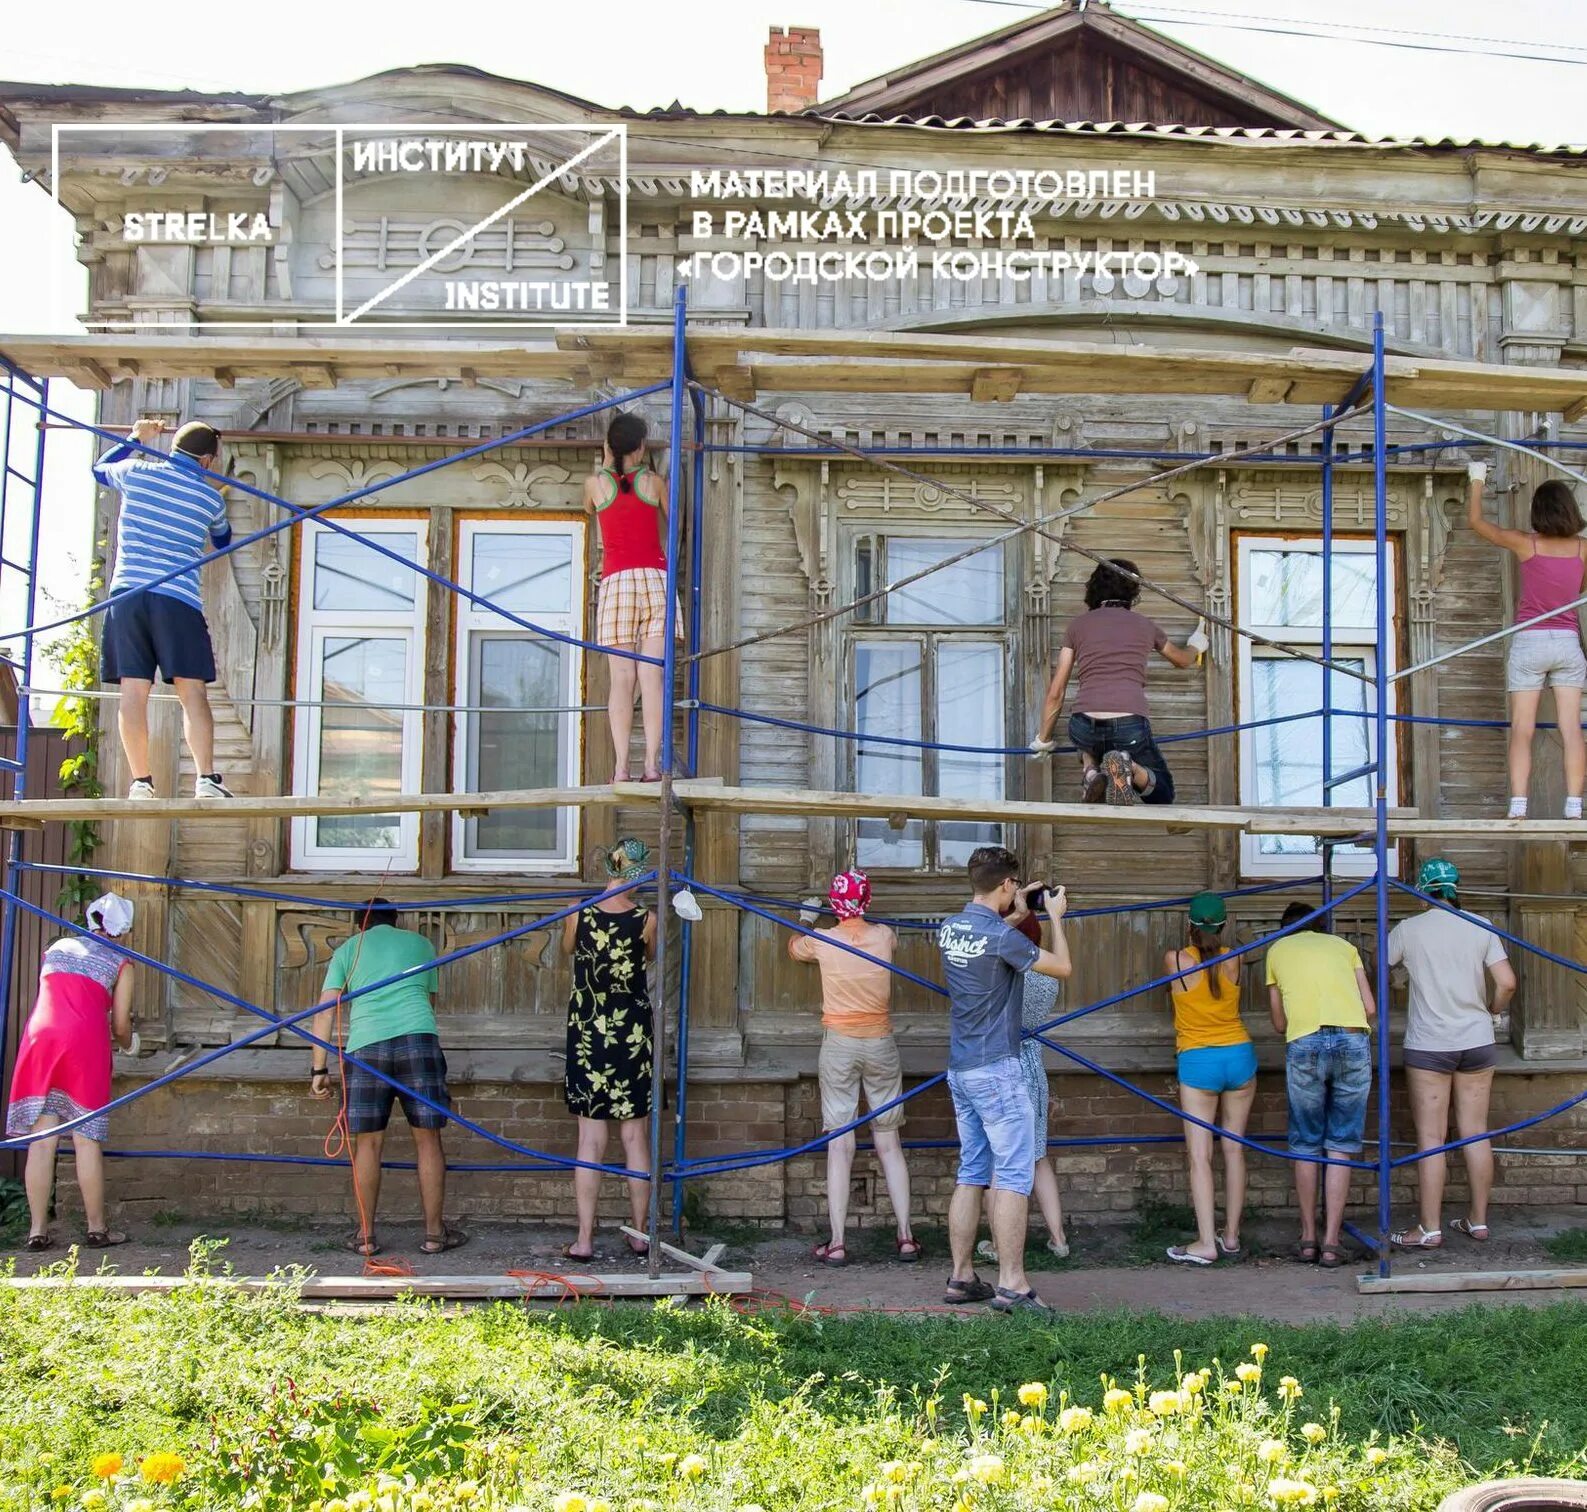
[406, 225]
[960, 944]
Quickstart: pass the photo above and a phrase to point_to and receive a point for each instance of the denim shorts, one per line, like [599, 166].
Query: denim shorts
[997, 1127]
[1539, 658]
[1328, 1075]
[1131, 734]
[1217, 1068]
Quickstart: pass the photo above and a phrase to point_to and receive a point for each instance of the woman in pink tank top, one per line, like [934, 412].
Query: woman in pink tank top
[1547, 652]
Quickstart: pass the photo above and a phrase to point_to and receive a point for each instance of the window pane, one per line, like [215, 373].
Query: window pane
[887, 702]
[969, 593]
[349, 577]
[511, 749]
[526, 573]
[1287, 589]
[1288, 757]
[970, 696]
[360, 754]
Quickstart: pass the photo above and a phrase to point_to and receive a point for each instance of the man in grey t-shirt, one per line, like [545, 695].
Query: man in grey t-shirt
[985, 959]
[1449, 1044]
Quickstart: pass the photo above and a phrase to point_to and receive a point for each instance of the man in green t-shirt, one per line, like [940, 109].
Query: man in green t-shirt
[390, 1030]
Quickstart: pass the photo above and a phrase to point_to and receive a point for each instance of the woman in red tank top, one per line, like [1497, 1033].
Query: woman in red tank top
[628, 501]
[1548, 651]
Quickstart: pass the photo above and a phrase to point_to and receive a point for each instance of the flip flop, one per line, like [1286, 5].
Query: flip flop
[439, 1244]
[1476, 1231]
[1181, 1256]
[361, 1244]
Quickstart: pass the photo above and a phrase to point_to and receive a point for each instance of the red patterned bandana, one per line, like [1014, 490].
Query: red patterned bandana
[850, 894]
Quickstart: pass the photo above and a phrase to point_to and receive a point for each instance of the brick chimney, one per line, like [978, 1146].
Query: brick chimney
[793, 68]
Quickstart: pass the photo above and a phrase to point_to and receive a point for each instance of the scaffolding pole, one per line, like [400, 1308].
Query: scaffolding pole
[1381, 690]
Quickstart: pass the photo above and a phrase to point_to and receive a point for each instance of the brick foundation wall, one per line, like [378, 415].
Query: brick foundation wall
[1098, 1183]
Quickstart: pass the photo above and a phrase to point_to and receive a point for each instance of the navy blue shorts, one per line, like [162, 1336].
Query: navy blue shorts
[1131, 734]
[416, 1061]
[148, 632]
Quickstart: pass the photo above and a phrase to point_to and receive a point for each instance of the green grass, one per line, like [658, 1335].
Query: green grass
[1568, 1244]
[500, 1407]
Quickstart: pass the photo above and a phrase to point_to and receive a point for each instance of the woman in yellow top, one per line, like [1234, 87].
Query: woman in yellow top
[1217, 1076]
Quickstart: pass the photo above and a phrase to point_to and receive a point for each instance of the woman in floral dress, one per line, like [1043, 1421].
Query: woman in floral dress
[610, 1039]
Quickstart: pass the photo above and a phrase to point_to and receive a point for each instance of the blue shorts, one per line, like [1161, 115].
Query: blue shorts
[997, 1127]
[146, 632]
[1329, 1077]
[1131, 734]
[1217, 1068]
[416, 1061]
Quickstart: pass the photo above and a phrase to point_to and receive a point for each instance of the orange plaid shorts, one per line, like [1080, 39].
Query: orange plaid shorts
[631, 607]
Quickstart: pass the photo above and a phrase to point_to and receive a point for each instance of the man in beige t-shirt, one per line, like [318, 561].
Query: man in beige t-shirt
[857, 1050]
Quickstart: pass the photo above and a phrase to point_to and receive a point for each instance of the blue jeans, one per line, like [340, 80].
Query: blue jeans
[997, 1127]
[1133, 735]
[1328, 1075]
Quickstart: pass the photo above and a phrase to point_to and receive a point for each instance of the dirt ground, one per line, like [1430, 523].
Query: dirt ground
[1109, 1267]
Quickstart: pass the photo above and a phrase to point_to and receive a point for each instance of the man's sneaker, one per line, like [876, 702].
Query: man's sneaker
[211, 787]
[141, 788]
[1119, 771]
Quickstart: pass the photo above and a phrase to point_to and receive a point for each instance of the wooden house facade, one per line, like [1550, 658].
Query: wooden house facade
[340, 665]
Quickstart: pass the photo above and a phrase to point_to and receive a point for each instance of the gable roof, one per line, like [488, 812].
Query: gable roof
[955, 82]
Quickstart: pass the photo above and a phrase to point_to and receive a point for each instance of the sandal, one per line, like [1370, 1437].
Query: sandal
[1332, 1256]
[986, 1250]
[1477, 1231]
[973, 1290]
[831, 1254]
[1182, 1256]
[1093, 786]
[439, 1244]
[104, 1238]
[1230, 1251]
[1305, 1251]
[1428, 1238]
[1013, 1301]
[39, 1242]
[906, 1250]
[1119, 771]
[361, 1244]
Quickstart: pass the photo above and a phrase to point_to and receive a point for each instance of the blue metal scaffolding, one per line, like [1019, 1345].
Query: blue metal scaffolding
[675, 860]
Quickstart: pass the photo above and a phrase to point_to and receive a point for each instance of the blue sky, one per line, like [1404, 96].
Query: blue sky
[635, 52]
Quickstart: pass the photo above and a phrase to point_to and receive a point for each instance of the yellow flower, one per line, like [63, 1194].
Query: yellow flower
[1176, 1468]
[61, 1493]
[1375, 1455]
[569, 1501]
[143, 1504]
[1115, 1400]
[1033, 1394]
[963, 1504]
[1271, 1452]
[357, 1501]
[1165, 1403]
[974, 1408]
[666, 1460]
[873, 1495]
[896, 1471]
[466, 1491]
[1082, 1474]
[1041, 1485]
[1073, 1419]
[1288, 1493]
[1032, 1427]
[1150, 1501]
[105, 1465]
[1290, 1389]
[1137, 1441]
[1260, 1352]
[1249, 1373]
[1193, 1382]
[1330, 1495]
[600, 1504]
[987, 1469]
[1010, 1418]
[94, 1499]
[693, 1466]
[1233, 1388]
[162, 1468]
[1313, 1433]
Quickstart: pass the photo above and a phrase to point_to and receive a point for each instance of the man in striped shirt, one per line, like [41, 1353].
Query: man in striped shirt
[169, 515]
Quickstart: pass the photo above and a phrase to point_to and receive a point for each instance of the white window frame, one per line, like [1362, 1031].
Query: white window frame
[475, 619]
[1349, 643]
[314, 626]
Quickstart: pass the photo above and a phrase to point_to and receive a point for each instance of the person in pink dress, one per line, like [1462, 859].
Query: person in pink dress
[63, 1064]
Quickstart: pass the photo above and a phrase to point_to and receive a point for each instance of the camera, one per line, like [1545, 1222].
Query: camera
[1036, 899]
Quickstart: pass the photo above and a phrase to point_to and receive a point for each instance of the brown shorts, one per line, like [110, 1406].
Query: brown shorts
[1448, 1062]
[847, 1064]
[631, 608]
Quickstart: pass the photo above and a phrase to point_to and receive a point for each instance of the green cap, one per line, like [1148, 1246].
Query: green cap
[1438, 876]
[1208, 910]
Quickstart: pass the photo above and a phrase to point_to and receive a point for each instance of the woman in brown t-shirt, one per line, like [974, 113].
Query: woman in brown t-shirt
[1106, 650]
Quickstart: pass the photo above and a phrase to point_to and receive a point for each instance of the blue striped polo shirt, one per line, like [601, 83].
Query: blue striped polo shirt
[169, 515]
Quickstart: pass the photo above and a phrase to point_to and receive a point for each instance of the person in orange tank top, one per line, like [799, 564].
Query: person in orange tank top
[628, 501]
[1552, 570]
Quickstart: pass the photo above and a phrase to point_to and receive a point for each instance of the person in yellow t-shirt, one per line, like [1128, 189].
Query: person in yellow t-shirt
[1322, 1004]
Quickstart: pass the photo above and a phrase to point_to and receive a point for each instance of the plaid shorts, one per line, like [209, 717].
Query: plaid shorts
[416, 1061]
[631, 607]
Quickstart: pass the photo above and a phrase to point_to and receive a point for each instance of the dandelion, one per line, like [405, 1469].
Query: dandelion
[1375, 1455]
[693, 1466]
[1115, 1400]
[1165, 1403]
[1290, 1493]
[1272, 1452]
[1137, 1441]
[106, 1466]
[162, 1468]
[1259, 1352]
[1073, 1419]
[1150, 1501]
[1033, 1394]
[1290, 1389]
[1082, 1474]
[1249, 1373]
[987, 1469]
[569, 1501]
[1313, 1433]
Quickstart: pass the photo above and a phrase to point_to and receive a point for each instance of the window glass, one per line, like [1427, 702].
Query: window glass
[1286, 589]
[360, 746]
[887, 702]
[509, 748]
[970, 701]
[525, 572]
[968, 593]
[351, 578]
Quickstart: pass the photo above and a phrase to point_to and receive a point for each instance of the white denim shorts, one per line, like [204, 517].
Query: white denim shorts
[1544, 658]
